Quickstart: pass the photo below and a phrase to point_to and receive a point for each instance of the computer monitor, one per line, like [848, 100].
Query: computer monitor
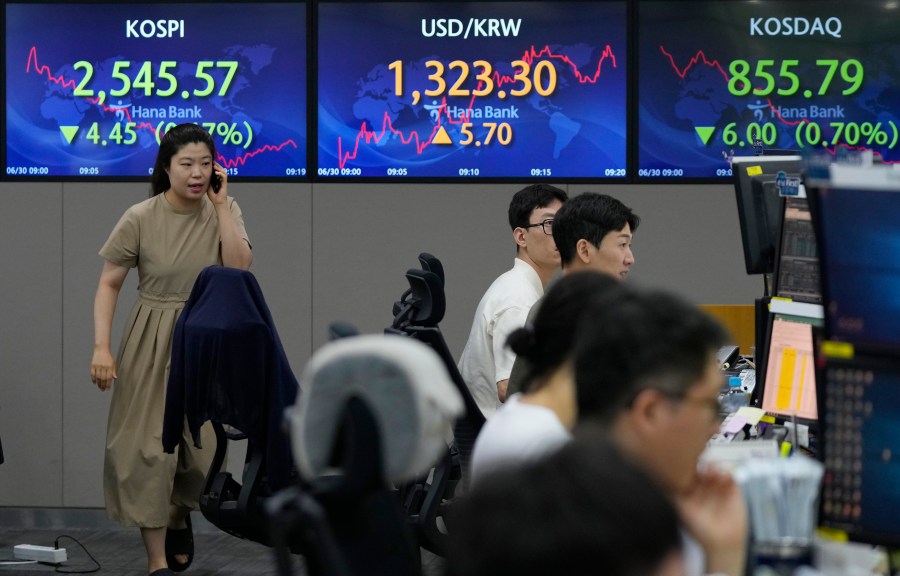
[788, 383]
[858, 232]
[779, 152]
[797, 257]
[859, 443]
[760, 206]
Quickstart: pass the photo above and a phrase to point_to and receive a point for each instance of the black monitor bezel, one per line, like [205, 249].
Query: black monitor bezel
[746, 205]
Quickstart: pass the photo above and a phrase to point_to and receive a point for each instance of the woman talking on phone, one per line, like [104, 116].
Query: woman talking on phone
[188, 223]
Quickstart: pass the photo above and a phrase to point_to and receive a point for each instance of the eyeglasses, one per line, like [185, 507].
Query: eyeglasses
[546, 226]
[710, 406]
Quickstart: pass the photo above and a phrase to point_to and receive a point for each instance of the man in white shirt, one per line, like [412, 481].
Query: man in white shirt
[592, 232]
[486, 362]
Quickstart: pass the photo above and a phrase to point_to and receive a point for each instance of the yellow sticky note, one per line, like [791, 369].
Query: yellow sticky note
[754, 170]
[752, 415]
[832, 534]
[834, 349]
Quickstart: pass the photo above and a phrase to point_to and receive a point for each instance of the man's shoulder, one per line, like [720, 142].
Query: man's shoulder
[520, 276]
[511, 288]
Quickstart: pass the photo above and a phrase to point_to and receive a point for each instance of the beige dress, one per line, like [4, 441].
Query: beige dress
[169, 247]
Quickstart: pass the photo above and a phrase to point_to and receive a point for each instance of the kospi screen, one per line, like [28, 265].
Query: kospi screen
[472, 89]
[716, 76]
[89, 88]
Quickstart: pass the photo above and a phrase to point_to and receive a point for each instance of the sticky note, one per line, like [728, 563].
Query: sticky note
[752, 415]
[734, 425]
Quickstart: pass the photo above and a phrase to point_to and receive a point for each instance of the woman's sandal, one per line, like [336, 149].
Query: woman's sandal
[180, 541]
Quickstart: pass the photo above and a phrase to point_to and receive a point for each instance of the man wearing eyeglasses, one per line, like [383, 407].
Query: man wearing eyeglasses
[646, 374]
[486, 362]
[591, 232]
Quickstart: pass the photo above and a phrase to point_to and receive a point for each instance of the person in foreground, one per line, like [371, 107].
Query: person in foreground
[533, 423]
[486, 362]
[646, 375]
[583, 510]
[187, 224]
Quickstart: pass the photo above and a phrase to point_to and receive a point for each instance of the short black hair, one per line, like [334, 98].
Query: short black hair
[590, 216]
[583, 510]
[527, 199]
[634, 339]
[549, 340]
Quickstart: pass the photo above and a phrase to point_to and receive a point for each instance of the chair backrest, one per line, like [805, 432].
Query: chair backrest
[467, 427]
[424, 303]
[422, 311]
[407, 304]
[374, 412]
[426, 500]
[228, 367]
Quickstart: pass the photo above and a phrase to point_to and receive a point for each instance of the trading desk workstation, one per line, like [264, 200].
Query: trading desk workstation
[822, 383]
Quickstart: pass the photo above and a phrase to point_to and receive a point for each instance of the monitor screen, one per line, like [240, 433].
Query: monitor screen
[789, 382]
[860, 446]
[90, 87]
[858, 233]
[715, 76]
[760, 206]
[797, 259]
[518, 90]
[779, 152]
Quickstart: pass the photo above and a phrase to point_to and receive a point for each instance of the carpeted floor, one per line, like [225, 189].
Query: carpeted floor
[121, 553]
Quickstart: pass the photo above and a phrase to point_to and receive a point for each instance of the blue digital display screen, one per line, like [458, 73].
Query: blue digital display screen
[716, 76]
[91, 87]
[472, 89]
[860, 265]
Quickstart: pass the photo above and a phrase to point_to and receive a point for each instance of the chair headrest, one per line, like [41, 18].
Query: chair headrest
[406, 387]
[432, 264]
[424, 302]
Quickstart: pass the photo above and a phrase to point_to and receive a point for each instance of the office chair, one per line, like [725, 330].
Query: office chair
[431, 264]
[373, 413]
[228, 366]
[417, 315]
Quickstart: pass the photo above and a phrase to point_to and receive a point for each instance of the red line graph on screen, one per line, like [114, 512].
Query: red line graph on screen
[698, 58]
[44, 70]
[70, 84]
[701, 58]
[529, 56]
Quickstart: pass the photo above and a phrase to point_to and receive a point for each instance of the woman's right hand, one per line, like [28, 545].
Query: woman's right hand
[103, 368]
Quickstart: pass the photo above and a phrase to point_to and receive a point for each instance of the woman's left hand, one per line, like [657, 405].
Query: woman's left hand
[220, 196]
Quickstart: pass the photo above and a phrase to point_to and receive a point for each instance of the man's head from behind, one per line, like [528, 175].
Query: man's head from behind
[586, 509]
[594, 231]
[645, 369]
